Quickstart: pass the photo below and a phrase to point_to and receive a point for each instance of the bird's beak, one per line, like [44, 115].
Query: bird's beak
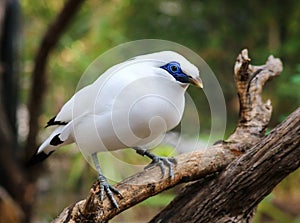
[197, 82]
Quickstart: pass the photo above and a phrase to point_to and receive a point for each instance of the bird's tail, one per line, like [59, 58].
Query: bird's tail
[51, 144]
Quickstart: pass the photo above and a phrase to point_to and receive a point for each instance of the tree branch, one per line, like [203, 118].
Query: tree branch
[190, 166]
[235, 193]
[254, 117]
[254, 114]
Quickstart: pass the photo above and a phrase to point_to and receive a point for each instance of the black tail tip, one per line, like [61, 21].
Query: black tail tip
[38, 158]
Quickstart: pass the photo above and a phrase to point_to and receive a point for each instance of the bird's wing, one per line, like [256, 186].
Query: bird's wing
[84, 100]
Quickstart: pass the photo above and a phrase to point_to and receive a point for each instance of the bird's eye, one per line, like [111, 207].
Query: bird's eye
[174, 68]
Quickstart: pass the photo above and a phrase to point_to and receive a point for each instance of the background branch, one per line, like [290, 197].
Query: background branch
[39, 81]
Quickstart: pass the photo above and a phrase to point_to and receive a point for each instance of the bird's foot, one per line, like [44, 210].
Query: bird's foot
[162, 162]
[105, 187]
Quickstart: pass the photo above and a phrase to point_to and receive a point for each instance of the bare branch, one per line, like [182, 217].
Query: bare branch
[190, 166]
[254, 114]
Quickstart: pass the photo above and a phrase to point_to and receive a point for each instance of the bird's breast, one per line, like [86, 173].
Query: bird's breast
[148, 114]
[155, 113]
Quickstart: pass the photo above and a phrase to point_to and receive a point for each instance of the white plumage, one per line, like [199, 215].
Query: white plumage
[132, 104]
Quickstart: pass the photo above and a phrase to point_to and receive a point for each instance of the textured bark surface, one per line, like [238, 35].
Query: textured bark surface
[233, 195]
[231, 177]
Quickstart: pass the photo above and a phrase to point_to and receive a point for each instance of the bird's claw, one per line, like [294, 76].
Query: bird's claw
[105, 187]
[162, 162]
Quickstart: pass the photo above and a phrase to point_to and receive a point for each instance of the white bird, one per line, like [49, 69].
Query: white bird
[132, 104]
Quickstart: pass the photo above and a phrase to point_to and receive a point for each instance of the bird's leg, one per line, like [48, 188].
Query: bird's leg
[161, 161]
[104, 185]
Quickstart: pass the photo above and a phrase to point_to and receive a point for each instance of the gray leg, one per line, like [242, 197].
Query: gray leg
[161, 161]
[104, 185]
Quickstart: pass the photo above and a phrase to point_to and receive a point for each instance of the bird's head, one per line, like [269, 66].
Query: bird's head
[172, 63]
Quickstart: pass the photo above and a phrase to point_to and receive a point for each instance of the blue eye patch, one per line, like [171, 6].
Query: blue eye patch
[174, 69]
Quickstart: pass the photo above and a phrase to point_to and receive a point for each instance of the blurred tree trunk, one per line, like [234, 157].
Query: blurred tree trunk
[12, 177]
[10, 31]
[17, 183]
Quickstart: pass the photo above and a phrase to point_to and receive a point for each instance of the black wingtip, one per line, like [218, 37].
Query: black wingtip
[53, 122]
[55, 141]
[38, 158]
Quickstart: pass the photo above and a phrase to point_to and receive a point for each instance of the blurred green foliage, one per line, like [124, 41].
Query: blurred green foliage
[216, 30]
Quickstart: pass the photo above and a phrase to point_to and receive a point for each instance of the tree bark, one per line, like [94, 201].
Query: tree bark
[230, 177]
[233, 195]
